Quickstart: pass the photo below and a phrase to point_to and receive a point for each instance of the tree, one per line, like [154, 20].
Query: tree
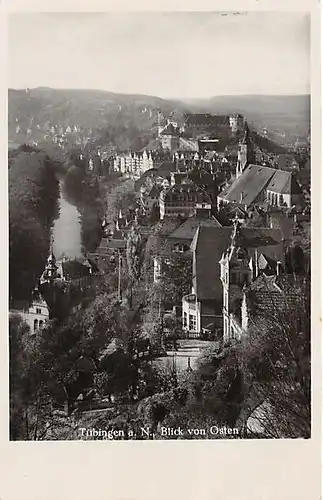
[275, 355]
[33, 195]
[176, 278]
[295, 260]
[135, 256]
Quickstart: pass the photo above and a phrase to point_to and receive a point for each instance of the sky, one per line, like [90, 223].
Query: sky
[170, 55]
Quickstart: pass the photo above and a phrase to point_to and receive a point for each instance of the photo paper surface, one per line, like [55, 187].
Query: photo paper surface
[160, 225]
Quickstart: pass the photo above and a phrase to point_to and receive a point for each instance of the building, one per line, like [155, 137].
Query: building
[182, 199]
[180, 240]
[258, 184]
[133, 164]
[204, 305]
[251, 252]
[213, 126]
[170, 138]
[34, 314]
[245, 152]
[150, 197]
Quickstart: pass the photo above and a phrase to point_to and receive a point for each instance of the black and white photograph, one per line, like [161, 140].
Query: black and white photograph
[159, 191]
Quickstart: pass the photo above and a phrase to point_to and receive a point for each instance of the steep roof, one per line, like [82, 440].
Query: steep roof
[177, 191]
[208, 245]
[73, 269]
[271, 293]
[284, 182]
[187, 230]
[170, 130]
[206, 120]
[246, 188]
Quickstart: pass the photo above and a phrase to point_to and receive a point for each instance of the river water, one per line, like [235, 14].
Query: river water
[66, 230]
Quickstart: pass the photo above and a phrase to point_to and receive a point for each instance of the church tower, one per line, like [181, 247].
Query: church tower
[245, 152]
[235, 273]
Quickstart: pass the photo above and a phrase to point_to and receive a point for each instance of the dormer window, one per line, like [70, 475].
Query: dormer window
[241, 253]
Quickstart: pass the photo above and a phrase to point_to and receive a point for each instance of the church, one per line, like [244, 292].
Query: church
[259, 184]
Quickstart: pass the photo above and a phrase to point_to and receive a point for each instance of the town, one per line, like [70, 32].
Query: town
[192, 282]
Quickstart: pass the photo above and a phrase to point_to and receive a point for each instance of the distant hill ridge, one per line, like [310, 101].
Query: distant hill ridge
[100, 108]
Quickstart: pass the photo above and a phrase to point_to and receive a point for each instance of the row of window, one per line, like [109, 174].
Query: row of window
[275, 199]
[38, 324]
[189, 321]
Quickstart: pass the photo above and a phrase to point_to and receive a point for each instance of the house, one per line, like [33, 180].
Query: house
[284, 190]
[35, 314]
[252, 252]
[180, 240]
[286, 161]
[203, 306]
[262, 185]
[149, 198]
[170, 138]
[205, 303]
[181, 199]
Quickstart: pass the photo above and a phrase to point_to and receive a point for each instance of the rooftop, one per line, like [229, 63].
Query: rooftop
[210, 243]
[246, 188]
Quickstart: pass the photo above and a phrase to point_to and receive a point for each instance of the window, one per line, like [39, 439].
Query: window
[41, 324]
[185, 319]
[38, 310]
[192, 324]
[35, 324]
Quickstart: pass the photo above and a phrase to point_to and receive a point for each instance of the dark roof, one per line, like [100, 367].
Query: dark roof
[73, 269]
[187, 230]
[246, 188]
[170, 130]
[155, 191]
[176, 191]
[210, 243]
[284, 182]
[116, 244]
[279, 220]
[206, 120]
[271, 293]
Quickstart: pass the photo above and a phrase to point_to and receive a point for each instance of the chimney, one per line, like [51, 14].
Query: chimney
[278, 268]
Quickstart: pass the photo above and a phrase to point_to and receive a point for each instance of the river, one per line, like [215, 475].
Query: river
[66, 230]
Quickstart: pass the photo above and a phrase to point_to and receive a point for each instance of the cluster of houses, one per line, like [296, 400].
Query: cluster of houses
[229, 258]
[212, 186]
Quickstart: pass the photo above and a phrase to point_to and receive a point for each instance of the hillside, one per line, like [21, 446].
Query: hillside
[40, 108]
[86, 108]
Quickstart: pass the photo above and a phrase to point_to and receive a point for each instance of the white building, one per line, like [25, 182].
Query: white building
[35, 315]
